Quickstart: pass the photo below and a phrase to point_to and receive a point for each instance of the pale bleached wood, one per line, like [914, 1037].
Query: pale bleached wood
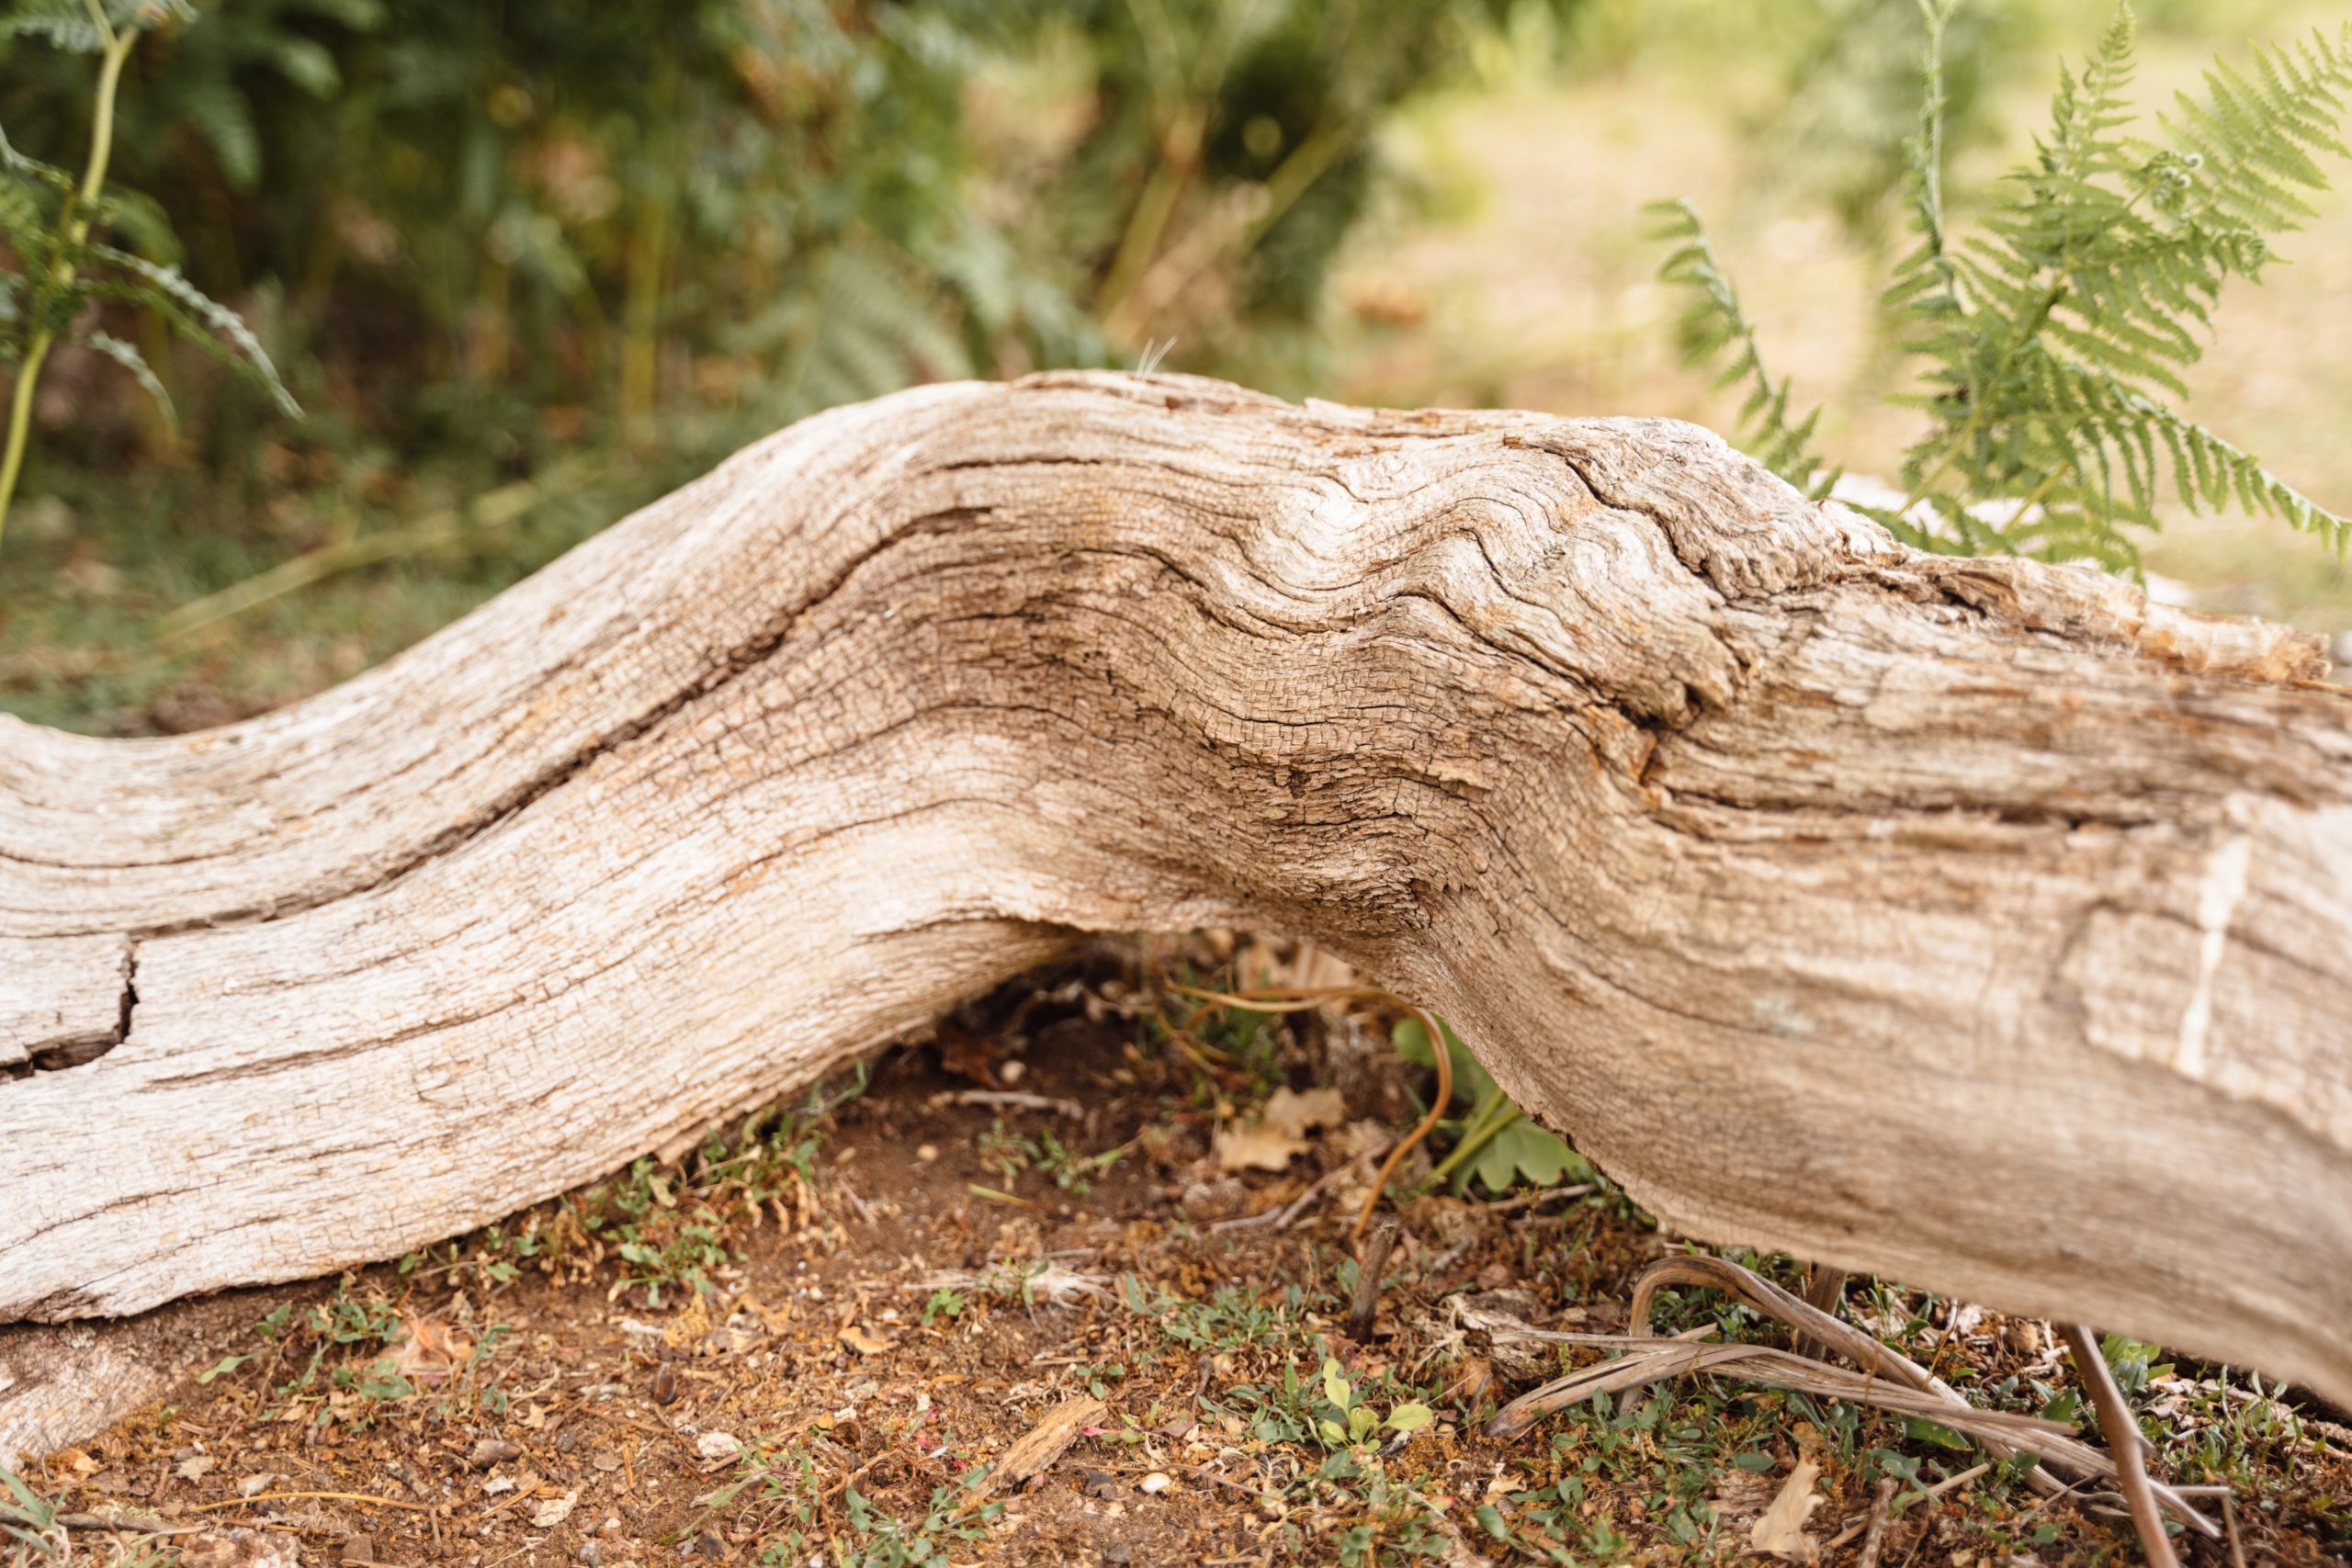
[64, 1384]
[1973, 923]
[63, 1000]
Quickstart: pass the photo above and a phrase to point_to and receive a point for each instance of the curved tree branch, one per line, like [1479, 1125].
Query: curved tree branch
[1971, 922]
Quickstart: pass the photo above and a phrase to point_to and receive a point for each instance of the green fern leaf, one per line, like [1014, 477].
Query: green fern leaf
[202, 320]
[67, 24]
[2045, 343]
[865, 325]
[130, 359]
[1713, 322]
[221, 115]
[32, 171]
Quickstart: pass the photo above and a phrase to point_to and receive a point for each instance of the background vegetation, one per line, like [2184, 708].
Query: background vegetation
[527, 267]
[580, 251]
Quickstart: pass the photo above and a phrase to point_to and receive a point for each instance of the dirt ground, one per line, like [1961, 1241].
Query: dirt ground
[906, 1324]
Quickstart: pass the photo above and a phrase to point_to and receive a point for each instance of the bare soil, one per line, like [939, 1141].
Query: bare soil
[856, 1359]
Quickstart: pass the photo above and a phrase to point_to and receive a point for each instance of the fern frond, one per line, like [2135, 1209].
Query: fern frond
[1715, 321]
[2253, 144]
[140, 222]
[223, 115]
[20, 219]
[198, 317]
[32, 170]
[67, 24]
[130, 359]
[2209, 473]
[149, 14]
[2086, 298]
[2046, 344]
[1923, 280]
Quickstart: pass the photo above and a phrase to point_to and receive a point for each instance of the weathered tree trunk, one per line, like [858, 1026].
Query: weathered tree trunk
[1971, 922]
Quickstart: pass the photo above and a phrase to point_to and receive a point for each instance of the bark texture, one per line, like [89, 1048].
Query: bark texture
[1975, 923]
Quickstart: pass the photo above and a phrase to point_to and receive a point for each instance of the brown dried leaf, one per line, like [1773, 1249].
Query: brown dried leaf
[1780, 1529]
[855, 1336]
[1279, 1135]
[239, 1548]
[1298, 1114]
[968, 1057]
[1258, 1148]
[431, 1353]
[488, 1451]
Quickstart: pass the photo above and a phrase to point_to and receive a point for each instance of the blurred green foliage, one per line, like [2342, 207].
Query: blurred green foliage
[50, 219]
[1840, 99]
[448, 216]
[480, 236]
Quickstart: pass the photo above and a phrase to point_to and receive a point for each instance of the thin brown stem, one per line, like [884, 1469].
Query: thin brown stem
[2123, 1443]
[1372, 1262]
[1882, 1510]
[1824, 1291]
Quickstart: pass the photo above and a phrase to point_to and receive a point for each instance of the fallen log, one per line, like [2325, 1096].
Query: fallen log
[1972, 922]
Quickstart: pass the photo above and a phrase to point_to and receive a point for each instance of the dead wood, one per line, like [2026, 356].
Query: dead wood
[1975, 923]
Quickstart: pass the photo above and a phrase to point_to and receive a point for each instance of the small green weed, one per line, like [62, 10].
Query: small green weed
[670, 1227]
[1073, 1172]
[29, 1521]
[1349, 1420]
[1229, 1319]
[1005, 1153]
[1009, 1153]
[1494, 1143]
[2133, 1362]
[1395, 1520]
[357, 1321]
[360, 1352]
[786, 1488]
[661, 1247]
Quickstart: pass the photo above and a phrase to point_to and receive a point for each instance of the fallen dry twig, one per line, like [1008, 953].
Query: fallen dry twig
[1882, 1510]
[2123, 1442]
[1887, 1381]
[1281, 1216]
[1862, 1349]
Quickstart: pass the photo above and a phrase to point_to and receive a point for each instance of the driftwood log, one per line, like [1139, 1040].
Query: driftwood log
[1975, 923]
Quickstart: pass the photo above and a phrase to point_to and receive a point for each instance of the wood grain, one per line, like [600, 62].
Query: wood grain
[1974, 923]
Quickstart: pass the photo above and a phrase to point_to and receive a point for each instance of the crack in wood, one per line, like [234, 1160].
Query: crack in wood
[1731, 832]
